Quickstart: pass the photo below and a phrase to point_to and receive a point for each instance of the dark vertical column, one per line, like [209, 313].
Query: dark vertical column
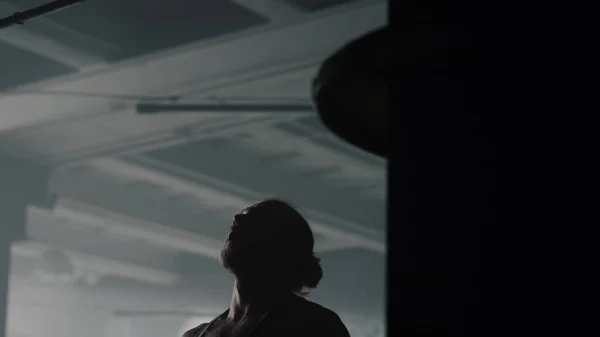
[442, 178]
[467, 262]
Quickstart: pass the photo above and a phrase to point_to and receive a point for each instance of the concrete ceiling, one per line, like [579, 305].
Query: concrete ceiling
[147, 199]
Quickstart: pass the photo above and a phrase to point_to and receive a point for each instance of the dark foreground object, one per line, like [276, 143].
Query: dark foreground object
[493, 174]
[351, 92]
[492, 208]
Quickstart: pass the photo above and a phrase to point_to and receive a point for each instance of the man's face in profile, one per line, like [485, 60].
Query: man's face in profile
[252, 240]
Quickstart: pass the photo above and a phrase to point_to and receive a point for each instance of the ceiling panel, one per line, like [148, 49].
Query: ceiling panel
[136, 27]
[20, 67]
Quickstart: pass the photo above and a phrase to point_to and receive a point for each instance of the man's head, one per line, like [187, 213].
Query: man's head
[271, 242]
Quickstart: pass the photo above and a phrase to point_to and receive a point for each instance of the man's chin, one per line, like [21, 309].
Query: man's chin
[231, 259]
[241, 261]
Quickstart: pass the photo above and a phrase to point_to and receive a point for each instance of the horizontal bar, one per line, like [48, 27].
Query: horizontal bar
[152, 108]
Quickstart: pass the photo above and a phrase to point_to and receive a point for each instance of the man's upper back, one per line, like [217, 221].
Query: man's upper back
[297, 317]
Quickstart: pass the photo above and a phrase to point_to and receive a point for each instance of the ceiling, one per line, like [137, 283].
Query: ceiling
[144, 197]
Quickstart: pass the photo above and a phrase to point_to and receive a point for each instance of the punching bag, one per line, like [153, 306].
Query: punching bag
[351, 89]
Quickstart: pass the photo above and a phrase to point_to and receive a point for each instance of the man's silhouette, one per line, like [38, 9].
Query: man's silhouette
[269, 250]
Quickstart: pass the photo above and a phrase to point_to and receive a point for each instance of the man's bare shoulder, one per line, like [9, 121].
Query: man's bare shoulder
[195, 332]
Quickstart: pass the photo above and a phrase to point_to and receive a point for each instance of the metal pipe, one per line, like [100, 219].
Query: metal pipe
[153, 108]
[19, 18]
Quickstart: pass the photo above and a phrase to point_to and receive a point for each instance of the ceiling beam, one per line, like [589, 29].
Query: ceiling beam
[126, 227]
[99, 266]
[84, 232]
[164, 128]
[248, 194]
[336, 229]
[327, 245]
[198, 64]
[351, 168]
[133, 146]
[274, 10]
[25, 291]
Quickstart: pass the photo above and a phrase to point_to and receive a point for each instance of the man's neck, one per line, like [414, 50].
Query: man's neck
[251, 300]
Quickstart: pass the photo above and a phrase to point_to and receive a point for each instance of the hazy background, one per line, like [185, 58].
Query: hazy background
[144, 202]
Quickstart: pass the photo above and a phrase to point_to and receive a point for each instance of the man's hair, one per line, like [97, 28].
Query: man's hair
[306, 272]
